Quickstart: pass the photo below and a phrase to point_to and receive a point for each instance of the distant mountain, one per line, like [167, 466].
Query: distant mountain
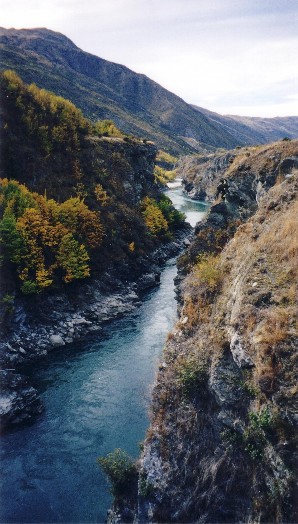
[105, 90]
[252, 130]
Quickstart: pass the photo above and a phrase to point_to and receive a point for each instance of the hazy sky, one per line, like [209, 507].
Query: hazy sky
[230, 56]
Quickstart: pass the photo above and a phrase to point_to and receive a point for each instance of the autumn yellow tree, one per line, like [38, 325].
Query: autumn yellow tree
[45, 239]
[153, 217]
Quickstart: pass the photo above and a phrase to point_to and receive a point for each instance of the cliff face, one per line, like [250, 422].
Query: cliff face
[221, 444]
[251, 170]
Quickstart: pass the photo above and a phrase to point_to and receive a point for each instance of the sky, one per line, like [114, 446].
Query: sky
[229, 56]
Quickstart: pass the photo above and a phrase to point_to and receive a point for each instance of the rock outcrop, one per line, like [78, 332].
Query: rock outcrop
[249, 171]
[19, 401]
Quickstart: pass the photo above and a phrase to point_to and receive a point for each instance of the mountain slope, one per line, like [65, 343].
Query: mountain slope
[103, 89]
[252, 130]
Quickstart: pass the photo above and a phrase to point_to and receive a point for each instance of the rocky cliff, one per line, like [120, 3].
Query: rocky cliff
[257, 168]
[221, 443]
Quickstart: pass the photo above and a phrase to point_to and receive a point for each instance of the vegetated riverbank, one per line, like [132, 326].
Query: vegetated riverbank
[43, 324]
[96, 395]
[221, 443]
[84, 229]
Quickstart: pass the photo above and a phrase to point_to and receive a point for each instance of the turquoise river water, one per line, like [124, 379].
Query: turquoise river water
[96, 397]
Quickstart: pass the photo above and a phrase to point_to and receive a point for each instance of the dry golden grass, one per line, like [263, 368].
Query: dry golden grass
[275, 327]
[259, 290]
[283, 238]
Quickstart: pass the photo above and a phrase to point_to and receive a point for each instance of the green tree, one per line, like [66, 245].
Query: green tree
[11, 240]
[73, 258]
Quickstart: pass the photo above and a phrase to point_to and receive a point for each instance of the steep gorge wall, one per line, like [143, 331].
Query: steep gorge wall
[250, 171]
[221, 446]
[70, 171]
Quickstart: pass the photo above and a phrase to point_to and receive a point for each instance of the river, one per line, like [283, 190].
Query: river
[96, 397]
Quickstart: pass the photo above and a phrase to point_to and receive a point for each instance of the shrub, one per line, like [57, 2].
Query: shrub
[230, 437]
[29, 287]
[146, 487]
[192, 375]
[107, 128]
[173, 217]
[120, 470]
[255, 435]
[207, 271]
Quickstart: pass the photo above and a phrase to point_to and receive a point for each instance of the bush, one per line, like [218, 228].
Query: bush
[146, 487]
[207, 271]
[120, 470]
[255, 435]
[192, 375]
[107, 128]
[173, 217]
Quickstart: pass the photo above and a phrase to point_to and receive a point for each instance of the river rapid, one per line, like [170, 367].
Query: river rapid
[96, 396]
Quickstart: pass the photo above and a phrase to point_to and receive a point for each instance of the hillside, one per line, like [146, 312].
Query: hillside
[77, 199]
[254, 130]
[105, 90]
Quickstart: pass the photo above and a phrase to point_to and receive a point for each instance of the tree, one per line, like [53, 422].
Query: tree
[73, 258]
[154, 219]
[121, 471]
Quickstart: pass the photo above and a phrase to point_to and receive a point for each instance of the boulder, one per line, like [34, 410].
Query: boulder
[19, 401]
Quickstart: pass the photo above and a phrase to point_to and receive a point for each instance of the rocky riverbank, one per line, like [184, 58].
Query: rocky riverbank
[222, 438]
[43, 324]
